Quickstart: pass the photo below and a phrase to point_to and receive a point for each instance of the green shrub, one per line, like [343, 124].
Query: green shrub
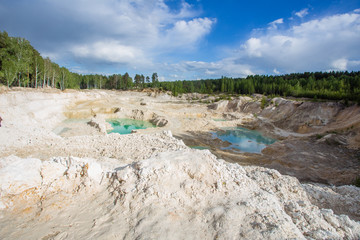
[263, 102]
[319, 136]
[357, 182]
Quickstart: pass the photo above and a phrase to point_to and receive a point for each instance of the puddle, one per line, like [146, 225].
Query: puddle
[64, 130]
[125, 126]
[243, 140]
[69, 125]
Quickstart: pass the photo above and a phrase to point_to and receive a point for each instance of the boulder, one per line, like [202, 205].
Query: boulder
[159, 121]
[99, 122]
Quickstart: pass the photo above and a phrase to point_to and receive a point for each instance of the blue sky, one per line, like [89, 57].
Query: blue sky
[193, 39]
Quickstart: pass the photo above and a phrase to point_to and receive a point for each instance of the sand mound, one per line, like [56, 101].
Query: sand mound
[181, 194]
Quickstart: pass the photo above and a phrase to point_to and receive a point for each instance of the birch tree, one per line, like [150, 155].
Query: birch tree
[63, 73]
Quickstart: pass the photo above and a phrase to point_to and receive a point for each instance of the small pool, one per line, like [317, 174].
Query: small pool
[244, 140]
[125, 126]
[69, 125]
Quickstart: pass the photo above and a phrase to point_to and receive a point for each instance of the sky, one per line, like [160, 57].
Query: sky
[190, 39]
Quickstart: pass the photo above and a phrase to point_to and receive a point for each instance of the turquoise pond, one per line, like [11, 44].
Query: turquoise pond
[125, 126]
[244, 140]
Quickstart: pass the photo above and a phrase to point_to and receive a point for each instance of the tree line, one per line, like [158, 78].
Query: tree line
[22, 65]
[316, 85]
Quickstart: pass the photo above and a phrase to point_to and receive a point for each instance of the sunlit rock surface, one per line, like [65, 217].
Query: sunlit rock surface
[180, 194]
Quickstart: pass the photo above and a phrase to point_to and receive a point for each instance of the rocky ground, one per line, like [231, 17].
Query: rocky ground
[62, 178]
[318, 141]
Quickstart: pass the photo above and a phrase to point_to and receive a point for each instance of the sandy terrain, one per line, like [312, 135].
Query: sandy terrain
[62, 179]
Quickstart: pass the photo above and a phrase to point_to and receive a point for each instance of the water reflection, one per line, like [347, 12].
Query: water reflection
[244, 140]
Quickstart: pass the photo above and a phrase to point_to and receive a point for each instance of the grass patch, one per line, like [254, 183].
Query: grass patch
[223, 97]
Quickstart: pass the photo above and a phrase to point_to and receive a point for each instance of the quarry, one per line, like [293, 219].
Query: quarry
[65, 175]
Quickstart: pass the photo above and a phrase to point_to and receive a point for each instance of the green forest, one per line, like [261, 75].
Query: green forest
[22, 65]
[317, 85]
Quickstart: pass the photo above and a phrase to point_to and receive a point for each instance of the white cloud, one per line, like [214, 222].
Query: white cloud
[185, 34]
[340, 64]
[139, 41]
[302, 13]
[135, 31]
[108, 51]
[146, 35]
[317, 45]
[200, 70]
[276, 71]
[253, 47]
[145, 27]
[343, 64]
[274, 24]
[328, 43]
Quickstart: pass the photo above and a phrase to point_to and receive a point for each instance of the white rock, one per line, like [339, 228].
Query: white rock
[18, 175]
[52, 171]
[95, 172]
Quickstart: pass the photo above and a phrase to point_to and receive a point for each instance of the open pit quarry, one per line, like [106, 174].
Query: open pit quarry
[63, 176]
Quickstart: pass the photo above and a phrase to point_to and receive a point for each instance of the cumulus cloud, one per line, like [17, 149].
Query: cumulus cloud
[134, 30]
[148, 36]
[254, 47]
[109, 51]
[324, 44]
[328, 43]
[185, 33]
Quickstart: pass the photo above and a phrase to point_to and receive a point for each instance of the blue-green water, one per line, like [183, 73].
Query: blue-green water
[125, 126]
[244, 140]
